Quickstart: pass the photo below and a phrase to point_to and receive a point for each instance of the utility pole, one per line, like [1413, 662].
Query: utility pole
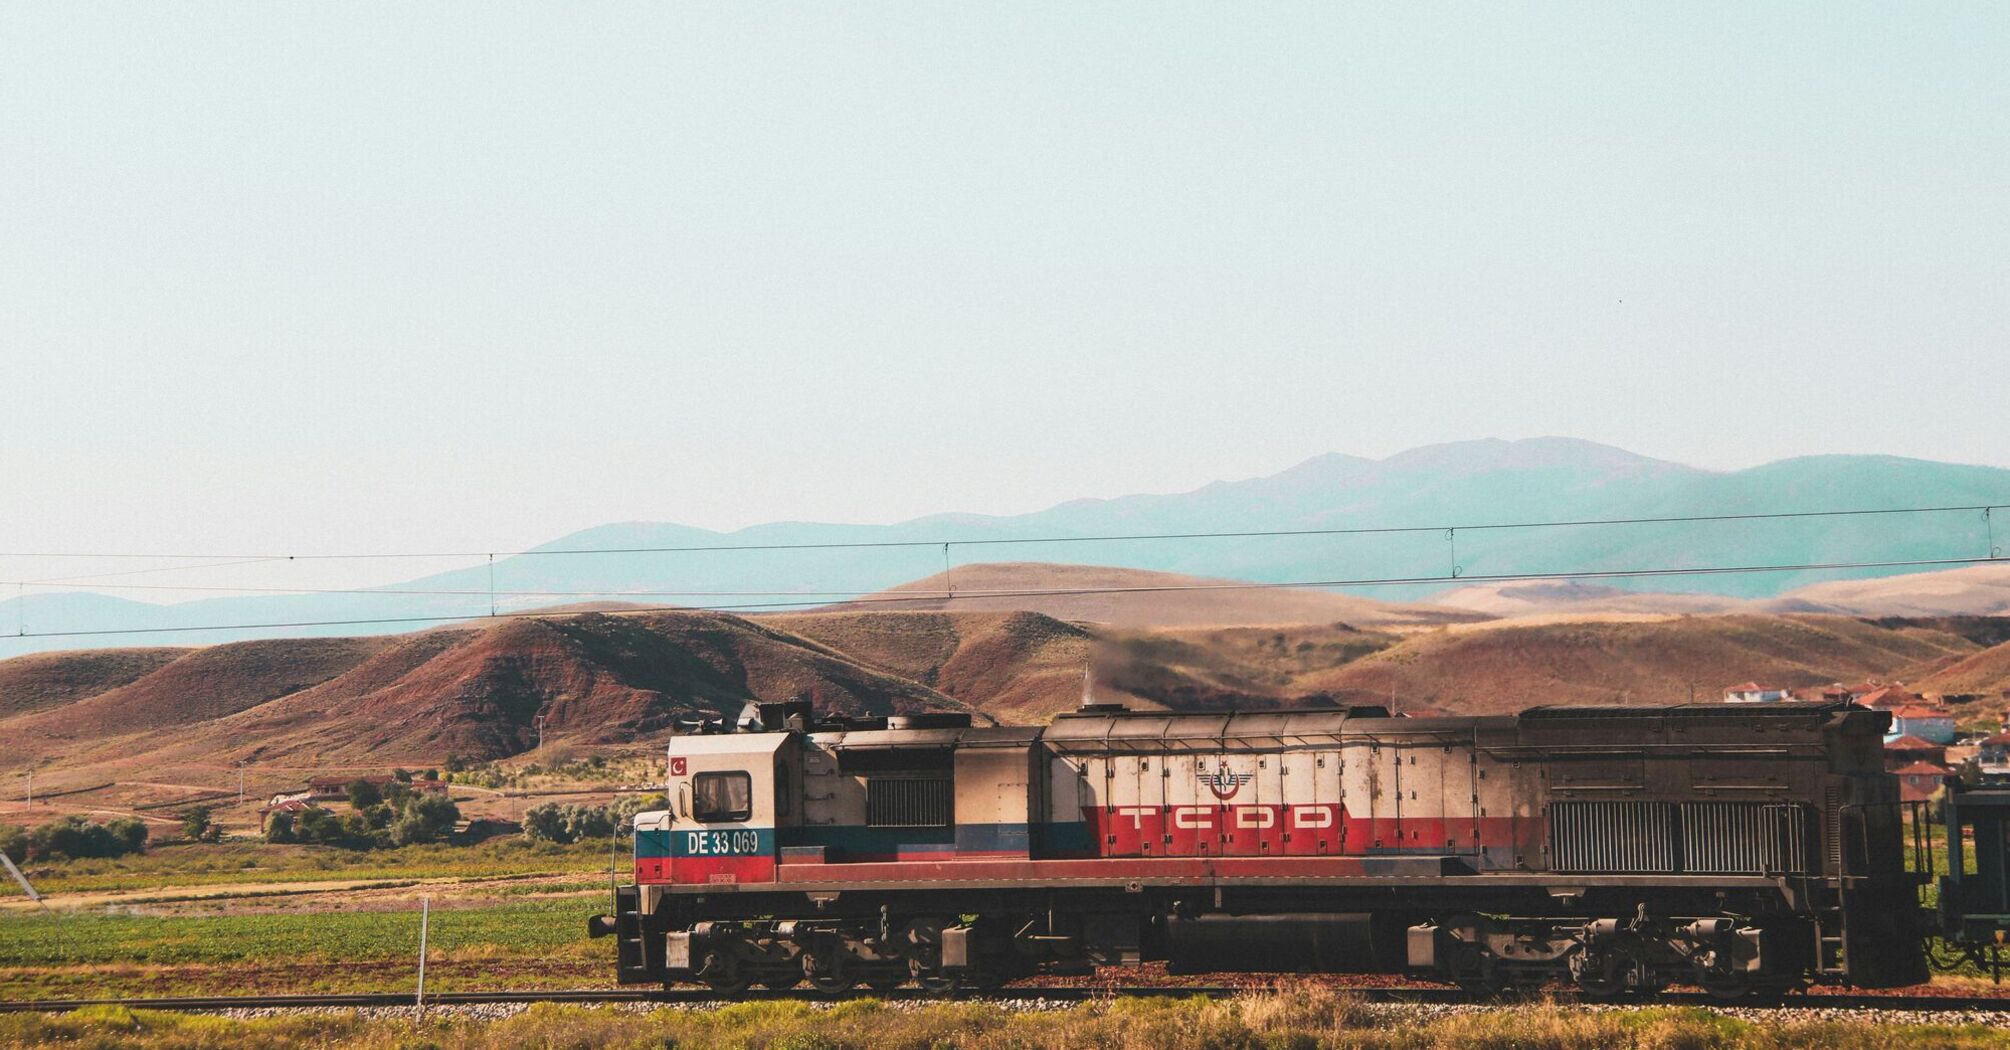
[240, 781]
[31, 789]
[540, 733]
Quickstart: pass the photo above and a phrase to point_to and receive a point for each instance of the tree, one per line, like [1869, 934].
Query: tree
[14, 842]
[131, 833]
[397, 793]
[279, 827]
[314, 824]
[196, 825]
[76, 837]
[363, 794]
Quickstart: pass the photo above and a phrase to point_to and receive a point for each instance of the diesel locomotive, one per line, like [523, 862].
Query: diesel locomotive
[1740, 849]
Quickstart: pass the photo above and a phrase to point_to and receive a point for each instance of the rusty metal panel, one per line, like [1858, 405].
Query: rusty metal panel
[1634, 837]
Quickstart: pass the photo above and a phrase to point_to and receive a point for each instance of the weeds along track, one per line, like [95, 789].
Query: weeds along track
[701, 997]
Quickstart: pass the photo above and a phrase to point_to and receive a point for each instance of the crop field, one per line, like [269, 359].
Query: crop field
[1306, 1017]
[529, 943]
[236, 863]
[236, 917]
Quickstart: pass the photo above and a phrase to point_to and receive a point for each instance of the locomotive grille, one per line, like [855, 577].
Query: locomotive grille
[1698, 838]
[1612, 836]
[909, 802]
[1744, 838]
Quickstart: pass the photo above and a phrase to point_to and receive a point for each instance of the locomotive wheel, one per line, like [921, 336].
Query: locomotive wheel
[885, 984]
[832, 984]
[781, 984]
[720, 975]
[826, 969]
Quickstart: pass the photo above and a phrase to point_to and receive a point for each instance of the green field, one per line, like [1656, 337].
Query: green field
[532, 928]
[240, 862]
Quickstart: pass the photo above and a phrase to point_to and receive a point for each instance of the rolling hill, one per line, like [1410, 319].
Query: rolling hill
[1502, 667]
[1137, 598]
[624, 678]
[475, 692]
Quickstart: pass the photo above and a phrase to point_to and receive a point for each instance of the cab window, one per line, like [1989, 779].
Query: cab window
[722, 797]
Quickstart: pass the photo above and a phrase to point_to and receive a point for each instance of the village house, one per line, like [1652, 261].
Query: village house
[1888, 698]
[1754, 693]
[1910, 750]
[1921, 781]
[336, 789]
[1927, 723]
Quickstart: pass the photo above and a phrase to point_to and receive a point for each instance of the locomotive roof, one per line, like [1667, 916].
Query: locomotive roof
[960, 736]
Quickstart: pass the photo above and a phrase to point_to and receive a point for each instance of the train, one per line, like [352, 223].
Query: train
[1742, 849]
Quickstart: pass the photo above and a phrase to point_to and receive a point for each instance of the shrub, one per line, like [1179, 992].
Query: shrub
[197, 826]
[75, 837]
[14, 842]
[566, 823]
[419, 817]
[363, 794]
[132, 831]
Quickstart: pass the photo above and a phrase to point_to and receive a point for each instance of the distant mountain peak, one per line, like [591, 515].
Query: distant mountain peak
[1528, 454]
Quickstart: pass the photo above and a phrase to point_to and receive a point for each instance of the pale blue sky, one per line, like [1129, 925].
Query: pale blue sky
[346, 276]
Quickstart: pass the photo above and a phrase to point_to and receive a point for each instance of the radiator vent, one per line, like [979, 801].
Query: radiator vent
[1612, 836]
[909, 802]
[1698, 838]
[1746, 838]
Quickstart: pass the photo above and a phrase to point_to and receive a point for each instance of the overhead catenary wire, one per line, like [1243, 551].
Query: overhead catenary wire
[994, 541]
[939, 596]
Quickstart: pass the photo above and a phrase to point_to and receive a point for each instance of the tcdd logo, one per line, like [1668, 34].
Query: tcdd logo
[1224, 782]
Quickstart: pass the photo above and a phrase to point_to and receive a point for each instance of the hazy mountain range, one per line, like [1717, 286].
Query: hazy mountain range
[1465, 484]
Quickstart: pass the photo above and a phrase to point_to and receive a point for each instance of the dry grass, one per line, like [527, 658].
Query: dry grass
[1306, 1016]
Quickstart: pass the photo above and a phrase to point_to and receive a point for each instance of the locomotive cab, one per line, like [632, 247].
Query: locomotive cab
[726, 798]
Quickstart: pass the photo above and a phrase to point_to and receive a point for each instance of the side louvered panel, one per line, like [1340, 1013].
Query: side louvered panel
[1794, 839]
[1746, 838]
[1720, 837]
[1612, 837]
[1832, 825]
[909, 802]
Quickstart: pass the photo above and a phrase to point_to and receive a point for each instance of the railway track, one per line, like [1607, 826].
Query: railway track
[1432, 996]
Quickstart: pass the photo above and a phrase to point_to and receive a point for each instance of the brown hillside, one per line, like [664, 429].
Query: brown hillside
[1986, 673]
[1573, 597]
[1978, 590]
[1014, 666]
[1249, 668]
[41, 680]
[1491, 668]
[203, 685]
[1177, 600]
[597, 679]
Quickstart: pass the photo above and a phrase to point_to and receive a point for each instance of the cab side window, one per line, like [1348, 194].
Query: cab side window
[718, 798]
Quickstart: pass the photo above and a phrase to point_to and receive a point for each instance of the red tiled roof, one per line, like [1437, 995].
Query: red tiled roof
[2000, 738]
[1917, 711]
[1922, 769]
[1748, 687]
[1908, 742]
[1908, 793]
[1889, 696]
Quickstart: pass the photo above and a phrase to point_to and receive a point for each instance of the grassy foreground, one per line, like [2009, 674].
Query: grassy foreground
[1306, 1017]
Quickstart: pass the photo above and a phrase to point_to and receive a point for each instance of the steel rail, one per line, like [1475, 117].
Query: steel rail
[698, 996]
